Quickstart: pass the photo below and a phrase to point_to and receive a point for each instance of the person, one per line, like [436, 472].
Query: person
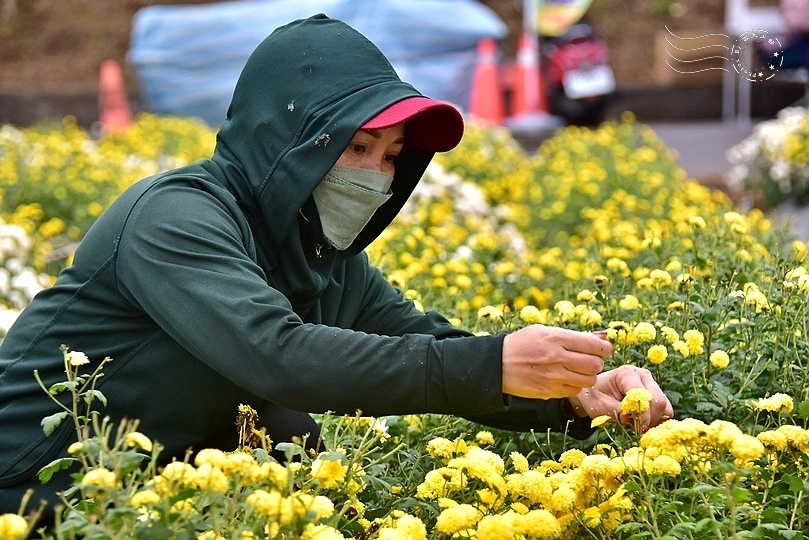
[241, 279]
[796, 20]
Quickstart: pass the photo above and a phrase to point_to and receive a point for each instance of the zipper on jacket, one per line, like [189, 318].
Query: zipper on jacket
[318, 248]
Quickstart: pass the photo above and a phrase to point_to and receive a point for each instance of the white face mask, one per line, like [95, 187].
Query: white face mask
[346, 200]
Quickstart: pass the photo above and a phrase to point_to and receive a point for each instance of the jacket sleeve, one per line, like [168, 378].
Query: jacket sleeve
[183, 260]
[539, 415]
[387, 311]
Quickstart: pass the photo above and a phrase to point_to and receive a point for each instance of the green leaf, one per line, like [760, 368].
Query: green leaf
[47, 472]
[61, 387]
[50, 423]
[795, 483]
[261, 455]
[289, 448]
[95, 394]
[333, 456]
[803, 409]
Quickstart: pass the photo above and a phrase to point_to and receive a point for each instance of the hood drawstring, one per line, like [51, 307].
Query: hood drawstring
[317, 246]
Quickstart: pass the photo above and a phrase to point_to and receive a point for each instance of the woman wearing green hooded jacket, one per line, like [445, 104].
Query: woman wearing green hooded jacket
[242, 279]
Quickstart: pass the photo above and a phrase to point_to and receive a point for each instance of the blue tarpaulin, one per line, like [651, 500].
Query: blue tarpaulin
[187, 58]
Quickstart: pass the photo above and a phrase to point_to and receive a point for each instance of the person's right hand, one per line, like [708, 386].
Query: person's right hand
[543, 362]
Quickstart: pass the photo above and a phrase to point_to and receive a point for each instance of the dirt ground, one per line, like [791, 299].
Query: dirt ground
[57, 46]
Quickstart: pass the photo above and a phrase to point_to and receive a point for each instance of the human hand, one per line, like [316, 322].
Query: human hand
[605, 397]
[543, 362]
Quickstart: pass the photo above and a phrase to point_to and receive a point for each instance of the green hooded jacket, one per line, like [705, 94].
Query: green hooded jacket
[205, 286]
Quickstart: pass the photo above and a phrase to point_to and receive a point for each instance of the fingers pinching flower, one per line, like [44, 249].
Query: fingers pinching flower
[635, 403]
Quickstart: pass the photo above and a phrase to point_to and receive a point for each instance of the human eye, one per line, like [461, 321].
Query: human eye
[358, 147]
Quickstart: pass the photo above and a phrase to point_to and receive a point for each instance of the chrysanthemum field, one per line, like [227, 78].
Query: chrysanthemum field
[597, 229]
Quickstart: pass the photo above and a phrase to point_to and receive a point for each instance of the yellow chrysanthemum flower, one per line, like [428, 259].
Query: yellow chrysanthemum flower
[629, 302]
[780, 403]
[96, 482]
[660, 278]
[645, 331]
[496, 527]
[591, 317]
[319, 531]
[539, 524]
[695, 341]
[719, 359]
[657, 354]
[662, 465]
[774, 440]
[75, 448]
[458, 518]
[571, 458]
[329, 473]
[670, 334]
[13, 527]
[586, 296]
[214, 456]
[636, 402]
[519, 462]
[144, 497]
[530, 315]
[211, 478]
[139, 440]
[746, 448]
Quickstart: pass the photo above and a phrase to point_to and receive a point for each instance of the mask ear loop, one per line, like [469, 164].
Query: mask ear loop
[311, 230]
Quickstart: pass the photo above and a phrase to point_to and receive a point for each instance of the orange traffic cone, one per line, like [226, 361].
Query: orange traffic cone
[114, 112]
[528, 95]
[486, 101]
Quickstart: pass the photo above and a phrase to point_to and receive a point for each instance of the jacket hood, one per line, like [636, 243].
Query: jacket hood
[302, 95]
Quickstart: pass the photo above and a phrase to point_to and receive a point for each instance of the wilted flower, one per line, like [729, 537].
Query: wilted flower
[77, 358]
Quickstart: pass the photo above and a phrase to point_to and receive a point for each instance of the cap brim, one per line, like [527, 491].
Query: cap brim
[430, 125]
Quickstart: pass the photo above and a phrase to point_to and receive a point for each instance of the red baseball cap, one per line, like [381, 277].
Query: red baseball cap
[430, 125]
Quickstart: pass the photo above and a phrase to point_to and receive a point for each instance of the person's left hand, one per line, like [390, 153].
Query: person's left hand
[605, 397]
